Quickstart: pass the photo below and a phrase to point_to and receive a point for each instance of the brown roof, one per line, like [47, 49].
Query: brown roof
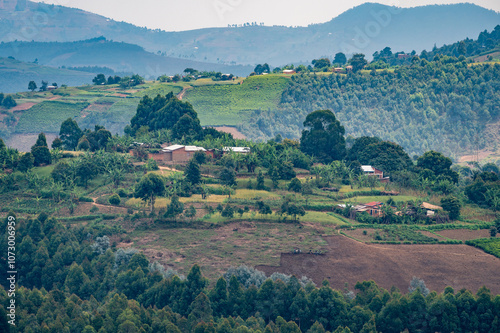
[427, 205]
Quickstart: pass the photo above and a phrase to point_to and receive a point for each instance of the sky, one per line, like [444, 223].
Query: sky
[178, 15]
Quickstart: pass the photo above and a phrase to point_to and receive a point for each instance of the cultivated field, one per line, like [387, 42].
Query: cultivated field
[458, 266]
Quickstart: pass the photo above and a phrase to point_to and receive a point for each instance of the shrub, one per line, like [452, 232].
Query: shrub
[114, 199]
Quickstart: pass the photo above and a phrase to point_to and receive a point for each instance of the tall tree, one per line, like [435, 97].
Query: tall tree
[32, 86]
[192, 172]
[358, 62]
[323, 136]
[41, 151]
[70, 134]
[340, 59]
[150, 187]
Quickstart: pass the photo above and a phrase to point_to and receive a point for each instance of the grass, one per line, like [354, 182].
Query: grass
[159, 89]
[230, 104]
[48, 116]
[255, 195]
[381, 198]
[218, 249]
[44, 171]
[488, 245]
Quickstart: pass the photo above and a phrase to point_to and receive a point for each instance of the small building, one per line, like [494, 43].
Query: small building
[374, 208]
[431, 209]
[51, 87]
[349, 68]
[237, 150]
[371, 171]
[177, 153]
[403, 55]
[338, 70]
[289, 71]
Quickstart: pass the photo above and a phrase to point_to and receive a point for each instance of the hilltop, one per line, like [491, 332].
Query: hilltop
[120, 57]
[16, 75]
[400, 28]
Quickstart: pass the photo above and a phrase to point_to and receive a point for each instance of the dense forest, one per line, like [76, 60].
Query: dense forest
[76, 281]
[443, 104]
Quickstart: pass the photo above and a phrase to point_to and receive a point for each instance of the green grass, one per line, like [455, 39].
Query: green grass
[48, 116]
[488, 245]
[44, 171]
[159, 89]
[230, 104]
[381, 198]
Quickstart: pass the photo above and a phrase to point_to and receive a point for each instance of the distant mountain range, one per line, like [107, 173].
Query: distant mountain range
[367, 28]
[16, 75]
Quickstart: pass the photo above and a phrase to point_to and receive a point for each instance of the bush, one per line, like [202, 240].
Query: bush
[114, 199]
[85, 199]
[122, 193]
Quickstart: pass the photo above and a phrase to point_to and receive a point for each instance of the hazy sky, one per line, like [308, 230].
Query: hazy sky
[176, 15]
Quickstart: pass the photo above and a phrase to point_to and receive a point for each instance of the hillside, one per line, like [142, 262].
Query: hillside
[402, 29]
[16, 75]
[120, 57]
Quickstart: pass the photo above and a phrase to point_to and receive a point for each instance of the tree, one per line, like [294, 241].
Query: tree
[358, 62]
[322, 63]
[175, 208]
[452, 206]
[99, 79]
[190, 213]
[228, 176]
[340, 59]
[57, 143]
[259, 69]
[70, 134]
[83, 143]
[9, 102]
[295, 185]
[437, 163]
[32, 86]
[44, 86]
[323, 136]
[41, 151]
[25, 162]
[228, 212]
[149, 187]
[260, 181]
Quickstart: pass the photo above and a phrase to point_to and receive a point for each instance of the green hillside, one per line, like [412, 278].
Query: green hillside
[232, 104]
[17, 74]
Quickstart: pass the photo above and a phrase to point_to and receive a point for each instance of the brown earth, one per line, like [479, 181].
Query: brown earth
[464, 234]
[458, 266]
[22, 107]
[231, 130]
[23, 142]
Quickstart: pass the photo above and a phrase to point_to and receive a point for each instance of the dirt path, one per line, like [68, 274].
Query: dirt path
[183, 92]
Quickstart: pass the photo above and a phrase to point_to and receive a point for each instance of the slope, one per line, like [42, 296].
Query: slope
[121, 57]
[16, 74]
[366, 28]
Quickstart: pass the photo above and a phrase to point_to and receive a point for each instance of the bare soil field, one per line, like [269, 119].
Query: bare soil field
[231, 130]
[358, 234]
[458, 266]
[464, 234]
[22, 107]
[23, 142]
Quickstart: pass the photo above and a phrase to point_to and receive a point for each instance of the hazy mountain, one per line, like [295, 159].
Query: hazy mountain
[120, 57]
[16, 75]
[366, 28]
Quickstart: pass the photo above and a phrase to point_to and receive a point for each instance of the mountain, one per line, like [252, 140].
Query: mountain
[118, 56]
[366, 28]
[16, 74]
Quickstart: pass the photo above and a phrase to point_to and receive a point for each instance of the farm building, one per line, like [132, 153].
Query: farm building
[178, 153]
[373, 208]
[371, 171]
[289, 71]
[237, 150]
[338, 70]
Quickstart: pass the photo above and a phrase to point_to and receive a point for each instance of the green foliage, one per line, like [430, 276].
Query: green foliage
[114, 199]
[8, 102]
[166, 112]
[149, 187]
[452, 205]
[436, 105]
[175, 208]
[488, 245]
[47, 116]
[70, 134]
[295, 185]
[192, 172]
[232, 104]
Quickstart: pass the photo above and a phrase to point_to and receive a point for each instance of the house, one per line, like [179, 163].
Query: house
[403, 55]
[289, 71]
[237, 150]
[348, 68]
[373, 208]
[338, 70]
[371, 171]
[177, 153]
[51, 87]
[431, 209]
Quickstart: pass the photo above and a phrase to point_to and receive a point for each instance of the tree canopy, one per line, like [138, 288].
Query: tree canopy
[323, 136]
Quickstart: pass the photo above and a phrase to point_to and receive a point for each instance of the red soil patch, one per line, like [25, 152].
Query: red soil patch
[231, 130]
[22, 107]
[458, 266]
[464, 234]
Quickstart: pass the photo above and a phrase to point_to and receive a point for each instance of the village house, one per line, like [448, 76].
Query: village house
[237, 150]
[178, 153]
[289, 71]
[373, 208]
[371, 171]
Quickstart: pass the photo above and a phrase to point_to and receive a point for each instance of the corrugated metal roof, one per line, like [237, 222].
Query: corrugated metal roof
[367, 168]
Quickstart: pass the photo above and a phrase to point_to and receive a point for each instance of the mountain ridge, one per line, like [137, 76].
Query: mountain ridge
[406, 29]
